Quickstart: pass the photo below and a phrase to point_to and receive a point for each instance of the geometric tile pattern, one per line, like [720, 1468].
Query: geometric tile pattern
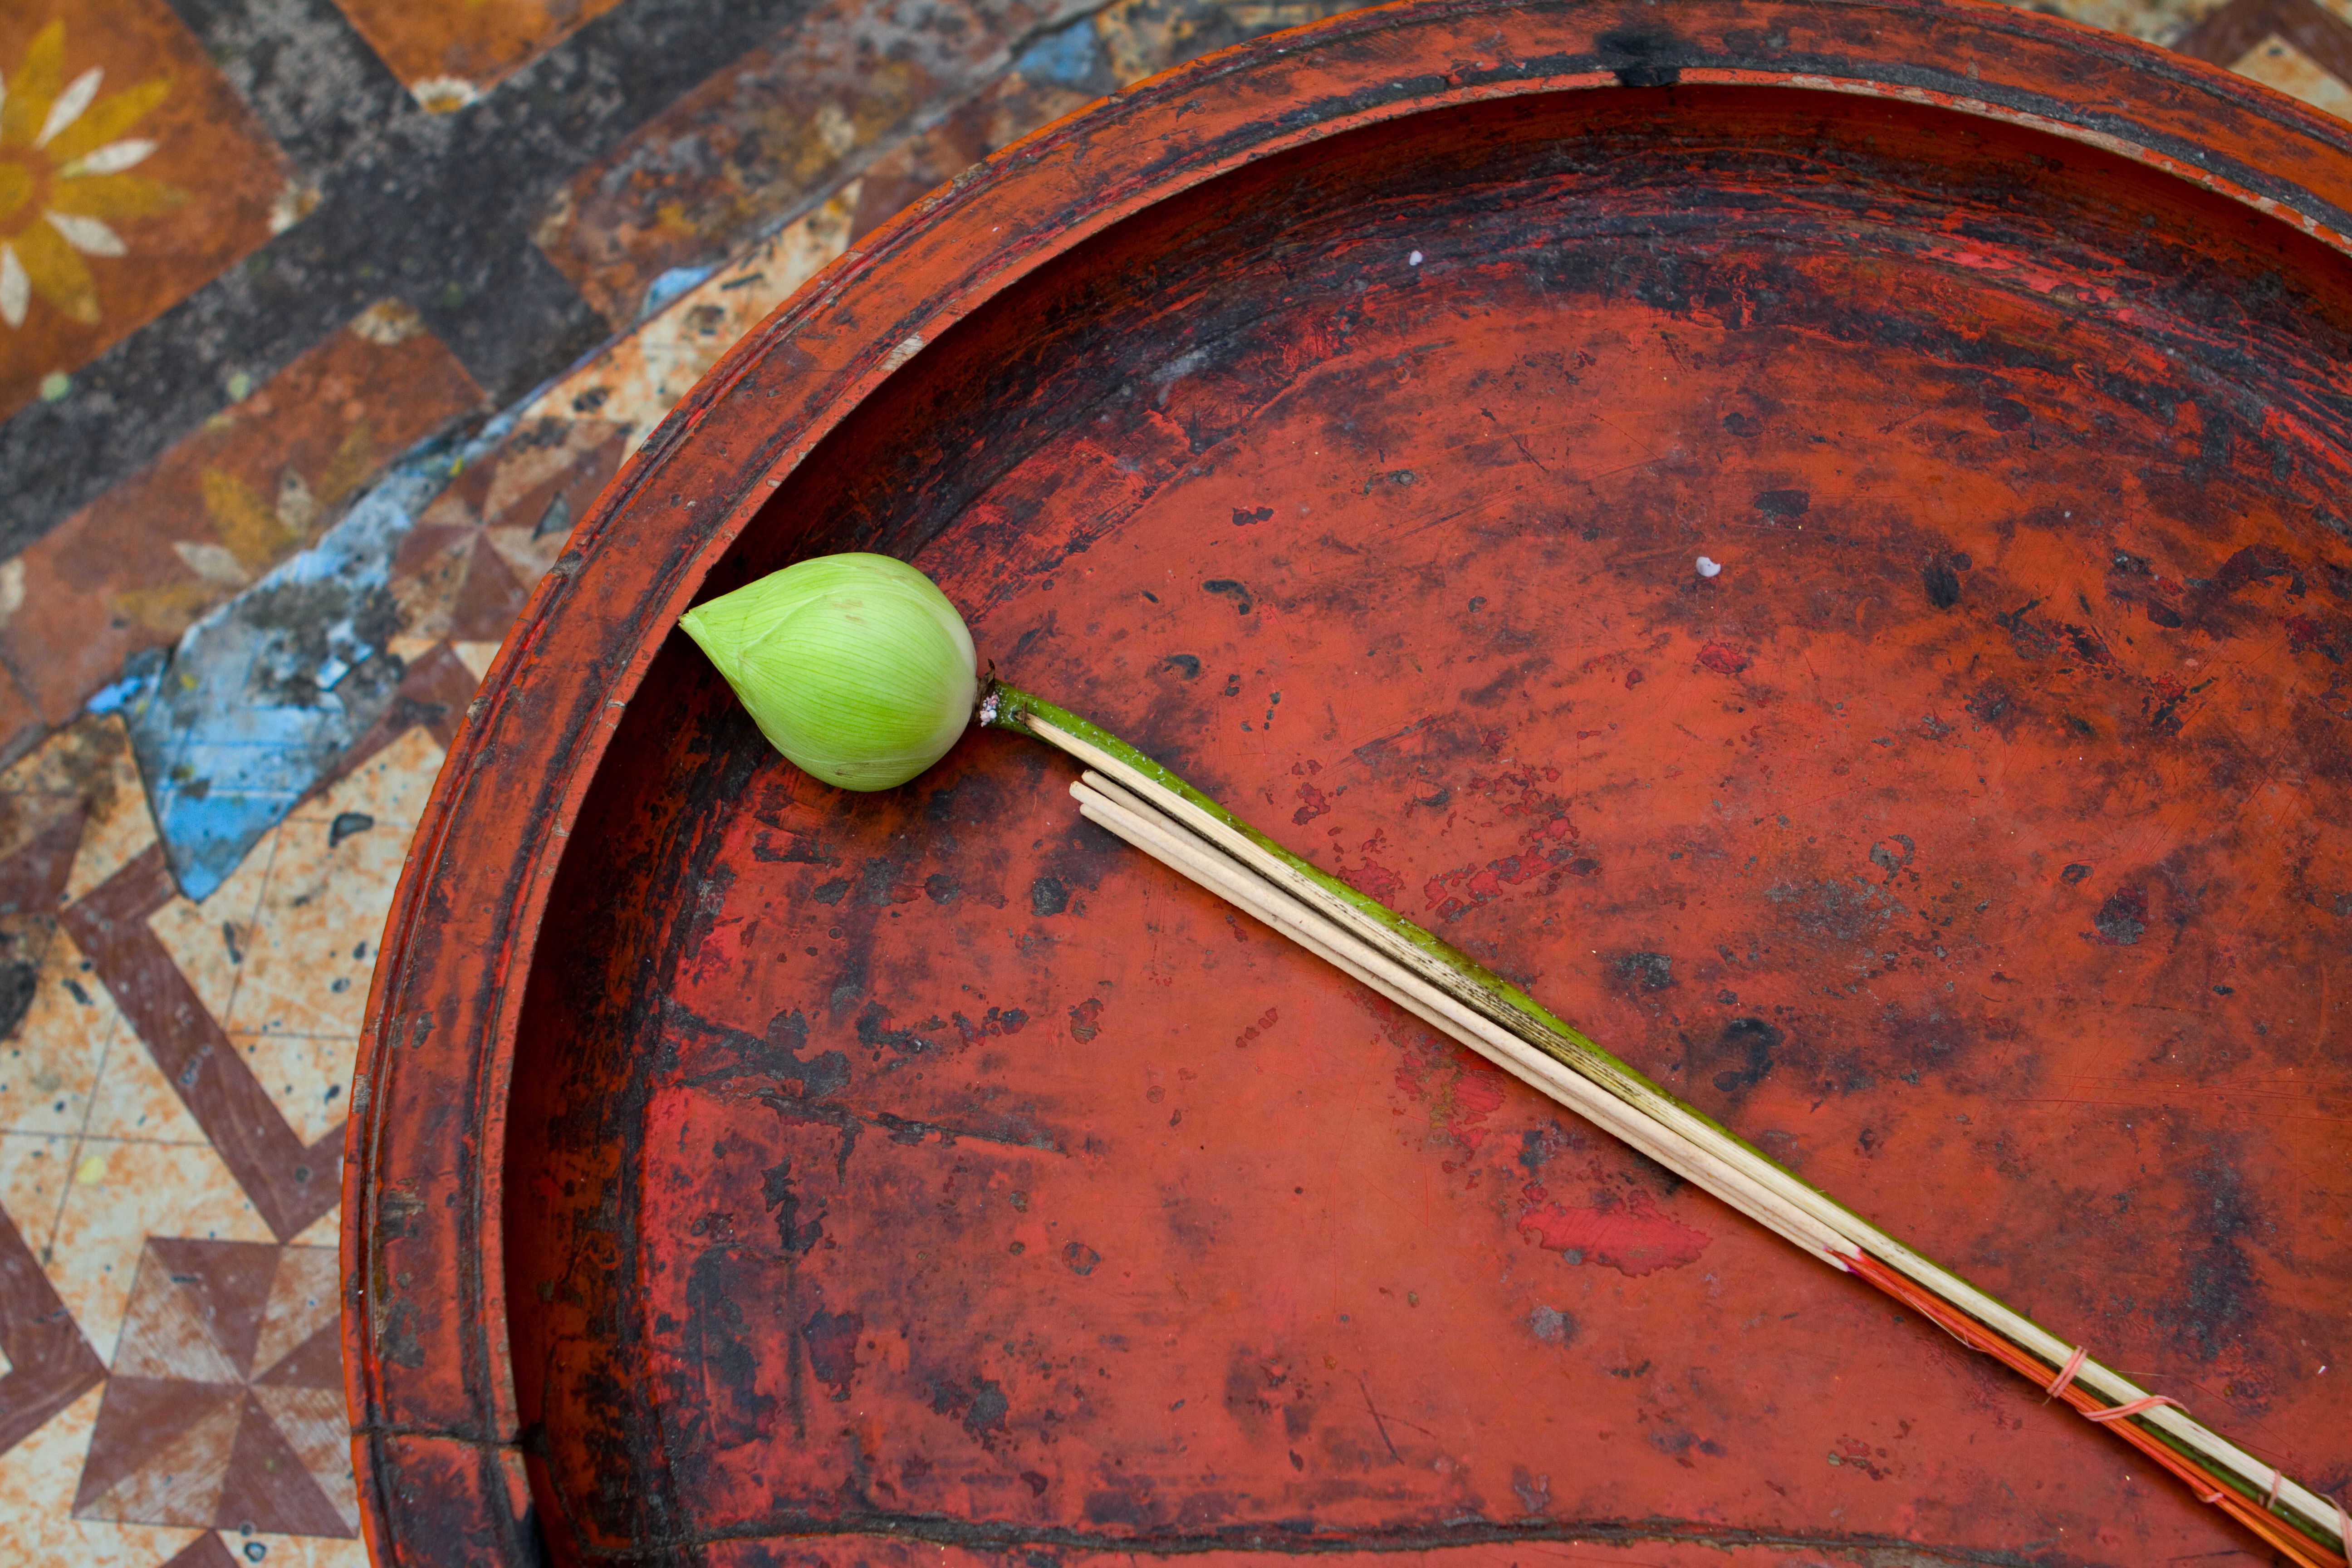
[224, 1408]
[178, 416]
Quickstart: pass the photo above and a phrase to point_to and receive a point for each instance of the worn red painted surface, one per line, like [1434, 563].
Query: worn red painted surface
[743, 1172]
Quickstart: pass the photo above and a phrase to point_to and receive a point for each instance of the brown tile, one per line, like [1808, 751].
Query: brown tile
[38, 1478]
[1122, 44]
[451, 54]
[304, 1302]
[304, 1551]
[206, 1551]
[51, 1062]
[315, 1364]
[775, 131]
[160, 1453]
[164, 1450]
[473, 558]
[227, 1285]
[89, 761]
[21, 723]
[290, 1181]
[49, 1363]
[635, 380]
[122, 1193]
[317, 1429]
[270, 1485]
[38, 836]
[112, 213]
[166, 1337]
[133, 568]
[308, 949]
[2276, 62]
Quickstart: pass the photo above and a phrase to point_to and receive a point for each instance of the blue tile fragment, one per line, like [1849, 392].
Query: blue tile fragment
[262, 696]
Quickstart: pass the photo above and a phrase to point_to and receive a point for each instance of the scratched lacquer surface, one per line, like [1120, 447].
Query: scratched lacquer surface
[928, 1163]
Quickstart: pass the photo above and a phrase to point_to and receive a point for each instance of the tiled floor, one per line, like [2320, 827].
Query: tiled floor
[251, 253]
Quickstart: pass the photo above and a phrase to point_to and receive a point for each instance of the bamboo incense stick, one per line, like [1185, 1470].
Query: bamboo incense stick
[1136, 822]
[1152, 808]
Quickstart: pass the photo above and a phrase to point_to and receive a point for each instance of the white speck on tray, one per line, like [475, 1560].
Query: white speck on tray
[1413, 260]
[1709, 568]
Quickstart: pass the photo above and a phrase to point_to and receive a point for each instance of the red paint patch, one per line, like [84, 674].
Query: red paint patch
[1723, 658]
[1317, 804]
[1086, 1019]
[1374, 879]
[1633, 1237]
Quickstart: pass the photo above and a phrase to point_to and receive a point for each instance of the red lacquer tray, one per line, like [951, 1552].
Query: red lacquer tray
[747, 1174]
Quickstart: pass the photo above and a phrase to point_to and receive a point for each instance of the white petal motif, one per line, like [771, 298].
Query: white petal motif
[111, 159]
[15, 289]
[87, 235]
[69, 104]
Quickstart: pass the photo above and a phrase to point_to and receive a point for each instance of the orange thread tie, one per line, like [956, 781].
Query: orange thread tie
[2269, 1498]
[2066, 1374]
[2214, 1496]
[2134, 1408]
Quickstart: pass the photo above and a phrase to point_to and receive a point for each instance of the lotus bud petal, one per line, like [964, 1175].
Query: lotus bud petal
[856, 667]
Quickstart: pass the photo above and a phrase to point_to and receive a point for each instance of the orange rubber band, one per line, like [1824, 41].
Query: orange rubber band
[2119, 1412]
[2066, 1374]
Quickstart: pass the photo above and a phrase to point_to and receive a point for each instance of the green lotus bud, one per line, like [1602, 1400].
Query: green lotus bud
[856, 667]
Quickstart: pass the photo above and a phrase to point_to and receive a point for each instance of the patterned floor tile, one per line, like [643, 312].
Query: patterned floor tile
[135, 1101]
[466, 568]
[89, 763]
[290, 1550]
[225, 1405]
[130, 175]
[288, 1181]
[131, 570]
[450, 55]
[309, 946]
[2275, 62]
[327, 1231]
[773, 133]
[635, 382]
[34, 1170]
[38, 1479]
[65, 1026]
[476, 656]
[207, 941]
[122, 1193]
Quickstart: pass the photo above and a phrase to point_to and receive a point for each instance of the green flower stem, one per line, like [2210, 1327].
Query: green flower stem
[1005, 707]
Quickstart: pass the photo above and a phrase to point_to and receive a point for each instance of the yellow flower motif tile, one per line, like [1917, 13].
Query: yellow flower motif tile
[130, 174]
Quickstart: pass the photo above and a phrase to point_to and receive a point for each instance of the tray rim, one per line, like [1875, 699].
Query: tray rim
[552, 699]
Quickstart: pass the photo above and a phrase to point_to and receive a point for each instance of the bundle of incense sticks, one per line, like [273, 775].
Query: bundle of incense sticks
[1139, 801]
